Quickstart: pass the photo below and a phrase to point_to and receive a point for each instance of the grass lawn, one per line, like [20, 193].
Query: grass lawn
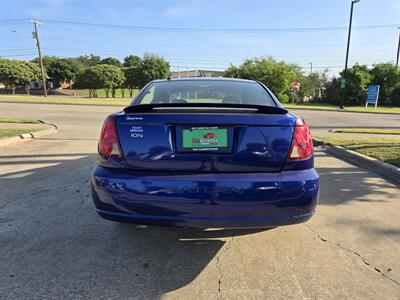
[367, 130]
[392, 110]
[65, 100]
[21, 121]
[83, 99]
[101, 93]
[10, 132]
[385, 149]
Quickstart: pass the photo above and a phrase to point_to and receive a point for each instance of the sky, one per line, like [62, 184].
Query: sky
[208, 34]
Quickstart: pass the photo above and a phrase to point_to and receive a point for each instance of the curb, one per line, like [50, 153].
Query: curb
[52, 103]
[346, 111]
[374, 165]
[29, 136]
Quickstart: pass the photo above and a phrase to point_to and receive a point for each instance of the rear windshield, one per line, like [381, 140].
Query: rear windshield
[205, 91]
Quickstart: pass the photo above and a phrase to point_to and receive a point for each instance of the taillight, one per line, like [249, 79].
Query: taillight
[302, 146]
[108, 144]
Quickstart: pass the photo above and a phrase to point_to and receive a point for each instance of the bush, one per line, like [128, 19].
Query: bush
[277, 75]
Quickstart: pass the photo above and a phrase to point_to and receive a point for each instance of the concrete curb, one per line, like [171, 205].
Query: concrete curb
[29, 136]
[346, 111]
[52, 103]
[386, 170]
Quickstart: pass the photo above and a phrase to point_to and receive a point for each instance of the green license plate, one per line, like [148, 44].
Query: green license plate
[205, 138]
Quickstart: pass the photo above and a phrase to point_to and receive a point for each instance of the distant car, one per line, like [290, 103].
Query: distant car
[156, 167]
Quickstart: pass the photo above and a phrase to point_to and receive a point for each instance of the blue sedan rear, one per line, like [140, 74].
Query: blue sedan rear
[218, 153]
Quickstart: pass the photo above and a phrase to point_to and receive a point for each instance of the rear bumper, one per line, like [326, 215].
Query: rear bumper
[206, 200]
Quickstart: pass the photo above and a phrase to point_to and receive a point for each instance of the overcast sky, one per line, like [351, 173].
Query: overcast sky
[205, 49]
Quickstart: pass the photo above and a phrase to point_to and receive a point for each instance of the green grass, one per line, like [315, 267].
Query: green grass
[100, 93]
[20, 121]
[367, 130]
[64, 100]
[10, 132]
[385, 149]
[391, 110]
[83, 99]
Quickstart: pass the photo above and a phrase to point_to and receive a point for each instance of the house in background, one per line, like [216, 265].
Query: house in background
[37, 85]
[196, 73]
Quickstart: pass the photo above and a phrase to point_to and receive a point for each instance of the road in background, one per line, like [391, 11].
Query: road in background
[53, 245]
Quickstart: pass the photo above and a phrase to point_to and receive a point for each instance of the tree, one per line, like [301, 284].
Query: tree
[62, 70]
[111, 61]
[332, 91]
[313, 85]
[357, 80]
[132, 72]
[111, 77]
[15, 73]
[33, 72]
[132, 78]
[277, 75]
[100, 76]
[387, 75]
[396, 96]
[89, 61]
[137, 75]
[132, 61]
[152, 67]
[89, 78]
[232, 72]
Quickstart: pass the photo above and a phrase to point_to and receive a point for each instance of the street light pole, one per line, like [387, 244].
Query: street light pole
[398, 50]
[36, 36]
[343, 84]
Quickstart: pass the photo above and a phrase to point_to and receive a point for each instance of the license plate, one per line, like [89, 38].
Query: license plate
[205, 139]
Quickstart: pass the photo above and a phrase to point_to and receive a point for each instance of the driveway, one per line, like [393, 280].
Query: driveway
[53, 245]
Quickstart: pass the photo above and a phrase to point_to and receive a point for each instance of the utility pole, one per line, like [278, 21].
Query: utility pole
[398, 49]
[36, 36]
[343, 83]
[310, 68]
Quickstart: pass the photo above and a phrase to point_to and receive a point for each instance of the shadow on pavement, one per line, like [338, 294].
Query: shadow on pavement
[54, 245]
[341, 182]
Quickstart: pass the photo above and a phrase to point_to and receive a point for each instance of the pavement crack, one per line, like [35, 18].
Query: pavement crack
[317, 233]
[367, 263]
[218, 265]
[220, 276]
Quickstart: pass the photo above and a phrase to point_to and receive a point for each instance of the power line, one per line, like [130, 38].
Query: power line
[208, 45]
[241, 30]
[182, 55]
[14, 21]
[18, 55]
[224, 68]
[14, 49]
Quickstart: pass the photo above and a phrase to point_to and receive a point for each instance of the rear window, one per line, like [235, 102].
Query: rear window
[205, 91]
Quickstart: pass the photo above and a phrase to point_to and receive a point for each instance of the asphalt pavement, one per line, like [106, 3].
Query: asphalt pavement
[54, 246]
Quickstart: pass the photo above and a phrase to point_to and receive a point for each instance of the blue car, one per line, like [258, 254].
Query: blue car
[207, 153]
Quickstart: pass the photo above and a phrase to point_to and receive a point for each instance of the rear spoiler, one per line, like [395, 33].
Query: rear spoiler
[262, 109]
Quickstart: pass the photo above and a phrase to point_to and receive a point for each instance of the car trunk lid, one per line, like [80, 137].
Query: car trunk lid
[205, 141]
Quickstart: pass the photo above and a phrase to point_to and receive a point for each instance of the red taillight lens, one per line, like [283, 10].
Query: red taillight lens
[302, 146]
[108, 144]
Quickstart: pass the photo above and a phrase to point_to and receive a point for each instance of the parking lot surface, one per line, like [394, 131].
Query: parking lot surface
[53, 245]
